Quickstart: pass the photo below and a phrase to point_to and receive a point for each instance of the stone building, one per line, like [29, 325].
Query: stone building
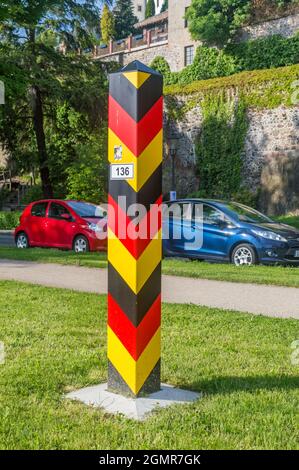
[165, 34]
[140, 7]
[271, 153]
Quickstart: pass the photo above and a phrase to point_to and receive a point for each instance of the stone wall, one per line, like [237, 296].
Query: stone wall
[287, 27]
[146, 55]
[270, 160]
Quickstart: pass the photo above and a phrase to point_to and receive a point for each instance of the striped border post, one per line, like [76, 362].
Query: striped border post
[134, 279]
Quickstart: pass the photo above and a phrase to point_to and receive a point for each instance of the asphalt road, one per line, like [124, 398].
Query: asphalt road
[6, 238]
[272, 301]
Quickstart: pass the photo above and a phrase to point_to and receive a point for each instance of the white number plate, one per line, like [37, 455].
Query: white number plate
[297, 254]
[122, 172]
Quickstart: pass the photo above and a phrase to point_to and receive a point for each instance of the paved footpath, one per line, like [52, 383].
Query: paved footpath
[257, 299]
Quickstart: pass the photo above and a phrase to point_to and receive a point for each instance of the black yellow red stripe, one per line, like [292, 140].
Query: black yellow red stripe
[134, 279]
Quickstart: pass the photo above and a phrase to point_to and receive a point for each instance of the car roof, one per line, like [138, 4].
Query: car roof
[61, 200]
[216, 202]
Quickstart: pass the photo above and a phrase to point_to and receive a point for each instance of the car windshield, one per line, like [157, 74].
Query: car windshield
[86, 210]
[246, 214]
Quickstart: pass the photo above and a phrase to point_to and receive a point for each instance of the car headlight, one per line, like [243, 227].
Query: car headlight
[95, 227]
[269, 235]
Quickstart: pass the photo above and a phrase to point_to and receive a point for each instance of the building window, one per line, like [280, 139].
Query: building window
[189, 55]
[139, 8]
[186, 21]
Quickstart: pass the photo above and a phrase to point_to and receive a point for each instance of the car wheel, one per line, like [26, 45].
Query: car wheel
[244, 255]
[22, 241]
[81, 244]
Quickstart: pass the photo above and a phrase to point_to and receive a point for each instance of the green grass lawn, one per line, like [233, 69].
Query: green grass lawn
[41, 255]
[292, 220]
[55, 341]
[273, 275]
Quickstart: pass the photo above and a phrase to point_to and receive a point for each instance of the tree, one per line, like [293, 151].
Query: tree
[107, 24]
[30, 34]
[150, 8]
[124, 18]
[215, 22]
[164, 6]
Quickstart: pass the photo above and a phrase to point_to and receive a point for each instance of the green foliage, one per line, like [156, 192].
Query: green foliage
[208, 63]
[35, 193]
[164, 6]
[68, 130]
[220, 145]
[43, 76]
[215, 22]
[88, 175]
[124, 18]
[247, 197]
[9, 220]
[107, 25]
[265, 53]
[150, 9]
[161, 65]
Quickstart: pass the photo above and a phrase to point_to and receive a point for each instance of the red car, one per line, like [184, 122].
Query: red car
[71, 225]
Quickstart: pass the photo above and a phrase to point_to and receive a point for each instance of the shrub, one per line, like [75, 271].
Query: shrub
[161, 65]
[33, 194]
[9, 220]
[271, 52]
[209, 63]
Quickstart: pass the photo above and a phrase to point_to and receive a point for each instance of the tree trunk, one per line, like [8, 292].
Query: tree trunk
[38, 123]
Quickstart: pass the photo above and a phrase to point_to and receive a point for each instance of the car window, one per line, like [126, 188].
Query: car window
[39, 209]
[85, 209]
[249, 215]
[208, 215]
[175, 210]
[56, 210]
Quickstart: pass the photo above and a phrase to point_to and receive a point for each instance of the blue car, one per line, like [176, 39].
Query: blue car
[226, 231]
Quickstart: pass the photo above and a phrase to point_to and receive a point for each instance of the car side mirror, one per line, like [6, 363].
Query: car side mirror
[66, 217]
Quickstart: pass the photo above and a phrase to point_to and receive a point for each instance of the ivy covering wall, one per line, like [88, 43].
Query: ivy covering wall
[220, 145]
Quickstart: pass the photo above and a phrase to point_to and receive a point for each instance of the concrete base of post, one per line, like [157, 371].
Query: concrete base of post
[133, 408]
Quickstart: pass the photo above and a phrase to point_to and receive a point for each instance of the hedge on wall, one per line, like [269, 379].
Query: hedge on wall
[265, 53]
[260, 88]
